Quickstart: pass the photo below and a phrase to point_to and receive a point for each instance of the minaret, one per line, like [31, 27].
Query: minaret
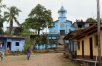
[62, 14]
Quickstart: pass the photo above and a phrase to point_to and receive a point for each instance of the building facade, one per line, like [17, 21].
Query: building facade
[88, 43]
[60, 27]
[79, 26]
[14, 43]
[87, 46]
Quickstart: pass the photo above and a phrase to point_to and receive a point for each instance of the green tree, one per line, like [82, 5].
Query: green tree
[18, 30]
[37, 42]
[25, 27]
[28, 23]
[1, 17]
[44, 41]
[1, 6]
[27, 44]
[90, 20]
[40, 18]
[1, 24]
[11, 16]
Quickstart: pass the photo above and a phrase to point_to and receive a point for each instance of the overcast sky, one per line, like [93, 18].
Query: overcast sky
[76, 9]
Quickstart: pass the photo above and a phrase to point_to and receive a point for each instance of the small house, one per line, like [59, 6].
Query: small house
[70, 48]
[14, 43]
[82, 25]
[87, 43]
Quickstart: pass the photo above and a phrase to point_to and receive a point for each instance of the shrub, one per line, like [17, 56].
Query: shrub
[27, 44]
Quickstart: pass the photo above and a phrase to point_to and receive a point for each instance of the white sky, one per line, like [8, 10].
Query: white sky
[76, 9]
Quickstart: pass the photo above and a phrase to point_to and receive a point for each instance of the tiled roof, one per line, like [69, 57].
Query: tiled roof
[80, 33]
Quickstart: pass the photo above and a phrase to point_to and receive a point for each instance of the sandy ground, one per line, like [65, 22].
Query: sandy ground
[48, 59]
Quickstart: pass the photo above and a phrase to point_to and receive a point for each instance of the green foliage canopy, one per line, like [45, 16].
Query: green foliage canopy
[1, 6]
[10, 16]
[39, 18]
[1, 24]
[90, 20]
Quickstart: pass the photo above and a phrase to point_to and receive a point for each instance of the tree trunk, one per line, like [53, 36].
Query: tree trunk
[38, 32]
[11, 27]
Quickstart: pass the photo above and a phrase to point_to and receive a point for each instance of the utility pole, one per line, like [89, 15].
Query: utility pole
[98, 32]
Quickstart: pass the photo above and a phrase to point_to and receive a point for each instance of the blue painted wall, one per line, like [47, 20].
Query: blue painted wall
[13, 41]
[13, 44]
[4, 41]
[62, 23]
[43, 46]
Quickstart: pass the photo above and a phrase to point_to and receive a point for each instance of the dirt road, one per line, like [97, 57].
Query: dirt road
[48, 59]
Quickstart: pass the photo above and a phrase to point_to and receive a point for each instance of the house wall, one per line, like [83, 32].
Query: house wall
[86, 25]
[3, 40]
[87, 45]
[101, 41]
[13, 44]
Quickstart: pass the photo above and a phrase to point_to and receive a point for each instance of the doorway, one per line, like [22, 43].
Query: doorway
[62, 32]
[91, 48]
[9, 45]
[82, 48]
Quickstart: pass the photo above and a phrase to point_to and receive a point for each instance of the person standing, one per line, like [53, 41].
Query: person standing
[28, 53]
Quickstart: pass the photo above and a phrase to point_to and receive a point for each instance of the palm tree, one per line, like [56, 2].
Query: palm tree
[10, 16]
[1, 17]
[2, 6]
[1, 24]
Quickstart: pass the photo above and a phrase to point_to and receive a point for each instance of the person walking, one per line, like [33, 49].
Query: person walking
[28, 53]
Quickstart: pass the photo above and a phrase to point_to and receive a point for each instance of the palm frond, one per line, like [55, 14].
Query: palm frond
[6, 13]
[16, 21]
